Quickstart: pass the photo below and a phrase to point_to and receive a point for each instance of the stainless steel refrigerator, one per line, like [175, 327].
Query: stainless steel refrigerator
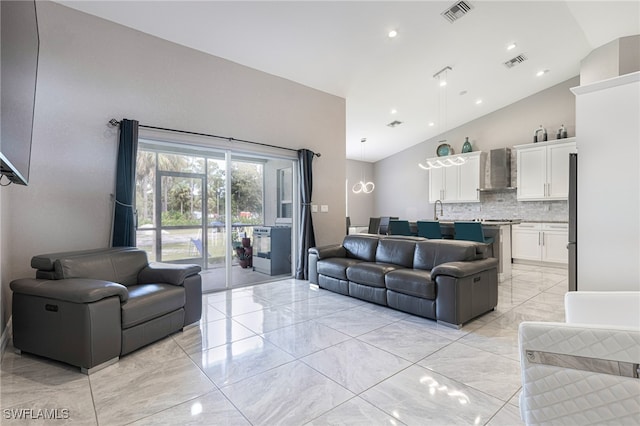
[573, 222]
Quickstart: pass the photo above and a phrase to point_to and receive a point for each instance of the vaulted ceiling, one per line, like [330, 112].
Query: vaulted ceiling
[343, 48]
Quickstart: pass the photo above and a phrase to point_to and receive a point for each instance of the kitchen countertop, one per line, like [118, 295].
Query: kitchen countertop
[484, 222]
[544, 221]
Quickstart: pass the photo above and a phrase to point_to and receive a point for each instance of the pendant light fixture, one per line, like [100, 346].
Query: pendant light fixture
[363, 186]
[442, 78]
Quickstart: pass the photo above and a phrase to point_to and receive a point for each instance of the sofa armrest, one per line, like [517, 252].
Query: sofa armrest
[464, 269]
[334, 250]
[74, 290]
[168, 273]
[319, 253]
[465, 290]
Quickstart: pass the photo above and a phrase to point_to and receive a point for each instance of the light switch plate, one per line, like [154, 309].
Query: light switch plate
[324, 208]
[314, 208]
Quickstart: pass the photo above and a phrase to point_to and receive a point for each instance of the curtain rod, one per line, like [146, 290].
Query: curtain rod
[115, 122]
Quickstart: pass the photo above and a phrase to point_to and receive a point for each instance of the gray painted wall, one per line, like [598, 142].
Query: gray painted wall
[618, 57]
[3, 244]
[4, 278]
[92, 70]
[402, 188]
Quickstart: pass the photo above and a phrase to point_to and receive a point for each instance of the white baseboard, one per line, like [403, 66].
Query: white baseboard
[5, 338]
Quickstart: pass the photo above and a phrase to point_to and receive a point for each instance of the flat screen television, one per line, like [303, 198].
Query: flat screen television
[20, 46]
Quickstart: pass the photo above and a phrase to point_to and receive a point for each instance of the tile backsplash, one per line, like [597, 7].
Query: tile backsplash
[503, 205]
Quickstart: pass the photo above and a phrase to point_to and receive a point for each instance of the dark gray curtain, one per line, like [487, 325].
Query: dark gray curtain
[124, 229]
[306, 235]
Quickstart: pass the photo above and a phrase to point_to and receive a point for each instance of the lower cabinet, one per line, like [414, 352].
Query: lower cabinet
[540, 242]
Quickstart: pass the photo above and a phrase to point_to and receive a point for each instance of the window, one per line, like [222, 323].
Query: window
[285, 193]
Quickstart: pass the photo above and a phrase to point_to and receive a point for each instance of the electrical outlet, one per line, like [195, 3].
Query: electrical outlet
[324, 208]
[314, 208]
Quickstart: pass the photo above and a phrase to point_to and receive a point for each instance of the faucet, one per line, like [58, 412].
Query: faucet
[435, 209]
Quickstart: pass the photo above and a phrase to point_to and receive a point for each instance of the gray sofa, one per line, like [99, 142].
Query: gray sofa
[449, 281]
[88, 308]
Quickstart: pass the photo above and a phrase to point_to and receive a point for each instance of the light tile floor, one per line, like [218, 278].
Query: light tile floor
[286, 353]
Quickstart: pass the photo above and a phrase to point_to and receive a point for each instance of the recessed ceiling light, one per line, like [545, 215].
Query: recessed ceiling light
[541, 73]
[394, 111]
[392, 33]
[478, 101]
[443, 83]
[511, 46]
[431, 124]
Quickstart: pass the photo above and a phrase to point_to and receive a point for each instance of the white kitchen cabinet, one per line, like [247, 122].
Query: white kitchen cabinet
[525, 241]
[470, 179]
[555, 237]
[543, 170]
[457, 184]
[436, 184]
[443, 184]
[540, 242]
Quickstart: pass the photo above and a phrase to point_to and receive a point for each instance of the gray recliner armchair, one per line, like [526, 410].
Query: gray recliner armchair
[88, 308]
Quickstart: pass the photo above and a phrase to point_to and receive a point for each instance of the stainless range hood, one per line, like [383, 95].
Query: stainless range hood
[499, 171]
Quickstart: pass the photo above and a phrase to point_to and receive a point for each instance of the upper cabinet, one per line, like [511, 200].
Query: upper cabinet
[457, 183]
[543, 170]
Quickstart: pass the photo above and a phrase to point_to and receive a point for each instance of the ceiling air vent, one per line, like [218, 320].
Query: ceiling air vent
[515, 61]
[394, 123]
[457, 11]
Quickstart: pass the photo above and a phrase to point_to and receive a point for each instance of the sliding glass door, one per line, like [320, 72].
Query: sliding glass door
[216, 214]
[170, 200]
[202, 206]
[180, 210]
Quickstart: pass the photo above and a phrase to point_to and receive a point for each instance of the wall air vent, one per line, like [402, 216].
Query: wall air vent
[515, 61]
[394, 123]
[457, 11]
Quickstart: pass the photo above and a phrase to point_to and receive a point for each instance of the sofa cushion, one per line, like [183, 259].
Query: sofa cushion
[361, 247]
[369, 293]
[414, 282]
[369, 273]
[336, 267]
[118, 266]
[396, 251]
[150, 301]
[431, 253]
[334, 284]
[414, 305]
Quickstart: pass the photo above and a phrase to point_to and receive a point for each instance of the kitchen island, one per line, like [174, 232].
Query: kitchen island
[500, 231]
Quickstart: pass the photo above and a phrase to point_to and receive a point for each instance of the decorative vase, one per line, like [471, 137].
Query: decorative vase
[466, 146]
[562, 133]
